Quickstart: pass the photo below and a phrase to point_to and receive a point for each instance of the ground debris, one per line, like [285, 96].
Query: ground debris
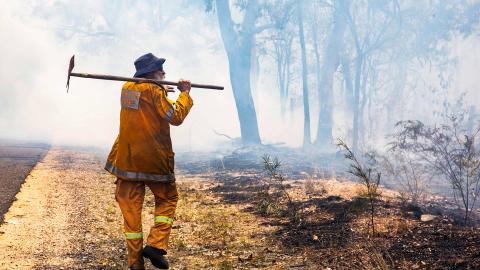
[427, 218]
[66, 217]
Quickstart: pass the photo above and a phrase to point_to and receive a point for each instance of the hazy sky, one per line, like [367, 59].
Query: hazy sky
[34, 102]
[39, 37]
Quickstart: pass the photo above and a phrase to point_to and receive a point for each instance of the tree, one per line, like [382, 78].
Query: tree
[306, 106]
[371, 26]
[239, 40]
[391, 42]
[331, 58]
[282, 39]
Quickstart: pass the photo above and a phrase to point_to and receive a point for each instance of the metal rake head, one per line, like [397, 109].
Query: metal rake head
[70, 68]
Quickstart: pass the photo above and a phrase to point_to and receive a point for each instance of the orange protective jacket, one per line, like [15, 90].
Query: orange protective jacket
[143, 148]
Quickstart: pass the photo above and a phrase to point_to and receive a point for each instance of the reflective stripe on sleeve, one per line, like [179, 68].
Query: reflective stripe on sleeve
[164, 219]
[169, 114]
[133, 235]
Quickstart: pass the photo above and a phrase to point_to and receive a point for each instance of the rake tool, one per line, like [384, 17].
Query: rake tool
[129, 79]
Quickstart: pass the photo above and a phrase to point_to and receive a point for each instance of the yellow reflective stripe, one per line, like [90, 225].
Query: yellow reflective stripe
[133, 235]
[169, 114]
[164, 219]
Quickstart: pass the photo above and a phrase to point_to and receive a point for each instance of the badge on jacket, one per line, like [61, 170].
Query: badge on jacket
[130, 99]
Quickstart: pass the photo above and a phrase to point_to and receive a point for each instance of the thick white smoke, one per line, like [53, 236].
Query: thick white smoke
[38, 38]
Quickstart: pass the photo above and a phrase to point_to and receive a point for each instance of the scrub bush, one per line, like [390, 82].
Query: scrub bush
[451, 150]
[369, 177]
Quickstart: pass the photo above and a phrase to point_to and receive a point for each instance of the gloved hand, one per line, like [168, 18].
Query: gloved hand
[184, 85]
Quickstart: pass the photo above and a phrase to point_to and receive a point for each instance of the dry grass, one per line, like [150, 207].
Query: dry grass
[218, 225]
[209, 234]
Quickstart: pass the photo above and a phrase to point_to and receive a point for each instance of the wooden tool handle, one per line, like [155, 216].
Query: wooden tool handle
[128, 79]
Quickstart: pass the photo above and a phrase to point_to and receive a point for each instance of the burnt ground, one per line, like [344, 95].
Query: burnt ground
[66, 217]
[333, 230]
[16, 161]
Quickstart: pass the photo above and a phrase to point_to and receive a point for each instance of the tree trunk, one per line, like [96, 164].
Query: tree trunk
[396, 98]
[347, 77]
[238, 44]
[240, 79]
[331, 62]
[282, 60]
[281, 82]
[356, 99]
[254, 73]
[306, 107]
[318, 67]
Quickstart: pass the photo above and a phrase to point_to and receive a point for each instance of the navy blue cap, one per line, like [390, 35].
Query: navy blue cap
[148, 63]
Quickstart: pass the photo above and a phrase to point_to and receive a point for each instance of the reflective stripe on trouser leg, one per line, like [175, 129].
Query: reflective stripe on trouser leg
[166, 197]
[130, 195]
[164, 219]
[133, 235]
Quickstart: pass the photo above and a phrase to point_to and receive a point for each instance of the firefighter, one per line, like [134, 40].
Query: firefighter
[142, 156]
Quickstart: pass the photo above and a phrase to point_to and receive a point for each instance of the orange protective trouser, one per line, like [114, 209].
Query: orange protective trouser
[130, 195]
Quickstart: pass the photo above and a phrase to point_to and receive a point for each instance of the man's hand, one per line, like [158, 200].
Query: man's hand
[184, 86]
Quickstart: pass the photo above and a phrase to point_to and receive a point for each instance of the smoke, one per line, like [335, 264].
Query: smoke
[39, 40]
[39, 37]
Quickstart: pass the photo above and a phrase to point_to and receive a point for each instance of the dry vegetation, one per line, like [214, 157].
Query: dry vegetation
[331, 228]
[229, 216]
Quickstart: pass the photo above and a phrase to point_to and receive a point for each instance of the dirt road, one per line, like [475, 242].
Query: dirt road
[62, 215]
[16, 161]
[66, 217]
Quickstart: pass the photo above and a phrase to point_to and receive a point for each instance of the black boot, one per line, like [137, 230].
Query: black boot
[156, 256]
